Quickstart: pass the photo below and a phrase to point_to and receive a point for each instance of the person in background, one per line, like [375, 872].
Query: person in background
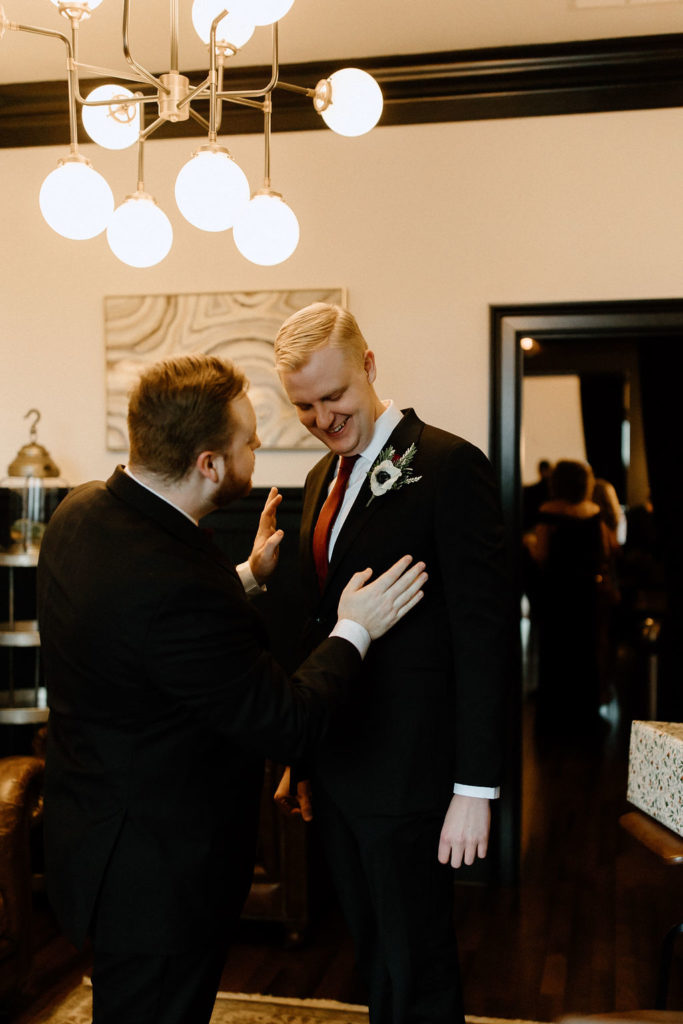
[533, 495]
[401, 788]
[163, 701]
[569, 545]
[609, 586]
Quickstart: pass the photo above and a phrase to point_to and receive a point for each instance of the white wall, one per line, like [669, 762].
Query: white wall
[552, 423]
[426, 226]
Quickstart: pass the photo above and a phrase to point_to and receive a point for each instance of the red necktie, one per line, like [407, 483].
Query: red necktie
[328, 514]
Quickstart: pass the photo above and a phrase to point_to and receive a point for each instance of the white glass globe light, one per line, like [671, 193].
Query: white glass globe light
[265, 12]
[139, 232]
[75, 200]
[266, 231]
[77, 8]
[234, 30]
[355, 104]
[211, 189]
[116, 126]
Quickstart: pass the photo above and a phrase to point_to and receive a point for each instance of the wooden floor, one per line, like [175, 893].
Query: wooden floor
[580, 933]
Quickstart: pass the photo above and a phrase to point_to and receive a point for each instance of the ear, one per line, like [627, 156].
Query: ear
[369, 366]
[206, 464]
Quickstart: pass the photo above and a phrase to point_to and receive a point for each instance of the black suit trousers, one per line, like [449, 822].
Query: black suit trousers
[140, 989]
[398, 902]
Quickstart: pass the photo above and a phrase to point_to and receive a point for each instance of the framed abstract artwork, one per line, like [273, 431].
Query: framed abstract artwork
[239, 326]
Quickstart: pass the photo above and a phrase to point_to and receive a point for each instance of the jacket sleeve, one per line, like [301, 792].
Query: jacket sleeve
[469, 538]
[204, 650]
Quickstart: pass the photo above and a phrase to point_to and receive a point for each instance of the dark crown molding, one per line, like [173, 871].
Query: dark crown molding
[631, 73]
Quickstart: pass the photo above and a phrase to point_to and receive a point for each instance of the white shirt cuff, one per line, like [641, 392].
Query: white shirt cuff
[484, 792]
[356, 634]
[247, 579]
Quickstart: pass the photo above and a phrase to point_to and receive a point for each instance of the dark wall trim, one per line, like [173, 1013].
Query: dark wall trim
[631, 73]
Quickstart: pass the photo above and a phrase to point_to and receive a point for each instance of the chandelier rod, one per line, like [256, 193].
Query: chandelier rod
[174, 35]
[274, 77]
[142, 71]
[213, 83]
[267, 117]
[72, 79]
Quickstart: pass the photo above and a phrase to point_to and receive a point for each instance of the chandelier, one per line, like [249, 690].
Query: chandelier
[211, 190]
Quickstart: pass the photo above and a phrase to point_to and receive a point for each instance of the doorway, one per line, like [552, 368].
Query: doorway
[595, 326]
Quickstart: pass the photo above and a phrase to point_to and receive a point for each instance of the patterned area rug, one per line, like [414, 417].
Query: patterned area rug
[237, 1008]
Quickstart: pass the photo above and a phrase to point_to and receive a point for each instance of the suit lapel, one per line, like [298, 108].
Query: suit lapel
[407, 432]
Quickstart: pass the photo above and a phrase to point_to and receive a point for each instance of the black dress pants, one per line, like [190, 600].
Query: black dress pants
[144, 989]
[398, 902]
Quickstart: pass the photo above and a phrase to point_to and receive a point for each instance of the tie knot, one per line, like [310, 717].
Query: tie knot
[346, 464]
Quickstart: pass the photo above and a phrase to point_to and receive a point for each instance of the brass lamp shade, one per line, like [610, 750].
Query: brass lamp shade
[33, 459]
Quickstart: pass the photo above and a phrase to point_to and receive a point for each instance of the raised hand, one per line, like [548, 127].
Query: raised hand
[379, 605]
[301, 803]
[265, 552]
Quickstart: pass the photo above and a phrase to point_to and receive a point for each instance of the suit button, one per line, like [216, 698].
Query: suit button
[318, 620]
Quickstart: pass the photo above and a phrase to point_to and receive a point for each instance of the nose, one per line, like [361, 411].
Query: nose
[324, 418]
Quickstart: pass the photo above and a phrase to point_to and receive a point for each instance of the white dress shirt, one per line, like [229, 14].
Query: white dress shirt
[385, 424]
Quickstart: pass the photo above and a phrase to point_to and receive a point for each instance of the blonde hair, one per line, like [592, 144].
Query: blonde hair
[314, 327]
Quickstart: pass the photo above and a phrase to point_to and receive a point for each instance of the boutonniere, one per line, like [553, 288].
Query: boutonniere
[390, 471]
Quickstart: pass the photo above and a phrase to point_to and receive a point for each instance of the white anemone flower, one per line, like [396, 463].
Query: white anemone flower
[383, 477]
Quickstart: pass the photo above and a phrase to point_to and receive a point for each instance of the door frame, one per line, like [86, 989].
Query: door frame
[611, 319]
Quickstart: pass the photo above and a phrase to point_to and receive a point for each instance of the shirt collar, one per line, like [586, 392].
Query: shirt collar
[385, 425]
[151, 490]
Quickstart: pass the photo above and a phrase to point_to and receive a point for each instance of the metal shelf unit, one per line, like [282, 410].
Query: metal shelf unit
[20, 705]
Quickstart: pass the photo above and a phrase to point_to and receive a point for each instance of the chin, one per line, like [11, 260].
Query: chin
[235, 489]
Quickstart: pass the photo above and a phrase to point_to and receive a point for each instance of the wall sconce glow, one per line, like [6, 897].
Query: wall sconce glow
[211, 189]
[265, 12]
[233, 31]
[139, 232]
[116, 126]
[75, 200]
[355, 102]
[266, 231]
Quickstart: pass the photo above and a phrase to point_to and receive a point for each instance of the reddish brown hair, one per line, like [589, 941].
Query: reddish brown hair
[179, 408]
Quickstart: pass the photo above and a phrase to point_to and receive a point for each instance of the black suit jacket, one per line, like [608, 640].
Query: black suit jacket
[428, 712]
[163, 702]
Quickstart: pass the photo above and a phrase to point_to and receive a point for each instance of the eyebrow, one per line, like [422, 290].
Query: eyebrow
[331, 397]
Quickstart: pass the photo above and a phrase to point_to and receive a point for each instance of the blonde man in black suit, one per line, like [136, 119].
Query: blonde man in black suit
[401, 788]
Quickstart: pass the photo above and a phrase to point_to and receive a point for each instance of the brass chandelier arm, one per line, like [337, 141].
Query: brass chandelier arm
[199, 92]
[72, 77]
[267, 118]
[239, 94]
[174, 35]
[296, 88]
[241, 101]
[142, 71]
[101, 72]
[123, 76]
[151, 128]
[200, 120]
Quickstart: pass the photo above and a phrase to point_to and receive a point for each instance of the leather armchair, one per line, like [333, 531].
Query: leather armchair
[21, 786]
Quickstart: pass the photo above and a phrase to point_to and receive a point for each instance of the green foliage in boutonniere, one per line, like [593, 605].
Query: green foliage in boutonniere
[391, 471]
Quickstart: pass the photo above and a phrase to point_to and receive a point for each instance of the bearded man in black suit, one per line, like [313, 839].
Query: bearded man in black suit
[163, 700]
[401, 788]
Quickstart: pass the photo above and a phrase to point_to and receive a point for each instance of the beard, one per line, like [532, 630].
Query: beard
[231, 488]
